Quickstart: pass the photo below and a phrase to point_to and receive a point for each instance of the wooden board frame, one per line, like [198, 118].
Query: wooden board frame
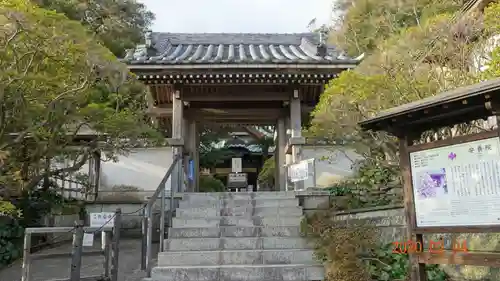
[418, 260]
[439, 144]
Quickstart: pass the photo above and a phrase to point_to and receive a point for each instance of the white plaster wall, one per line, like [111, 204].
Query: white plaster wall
[142, 168]
[327, 171]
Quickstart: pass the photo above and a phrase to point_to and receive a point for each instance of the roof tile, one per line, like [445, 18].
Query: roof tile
[234, 48]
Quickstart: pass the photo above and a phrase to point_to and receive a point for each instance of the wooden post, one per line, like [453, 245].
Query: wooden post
[76, 253]
[115, 245]
[296, 126]
[196, 156]
[26, 257]
[177, 117]
[280, 152]
[193, 139]
[97, 176]
[288, 157]
[417, 270]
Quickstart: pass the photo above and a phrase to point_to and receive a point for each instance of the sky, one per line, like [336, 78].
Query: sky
[260, 16]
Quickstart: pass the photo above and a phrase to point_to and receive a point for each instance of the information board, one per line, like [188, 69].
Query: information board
[457, 185]
[236, 165]
[299, 171]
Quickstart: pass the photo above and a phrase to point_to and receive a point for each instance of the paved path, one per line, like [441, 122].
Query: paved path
[44, 270]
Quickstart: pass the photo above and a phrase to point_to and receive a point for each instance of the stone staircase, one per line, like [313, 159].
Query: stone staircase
[237, 237]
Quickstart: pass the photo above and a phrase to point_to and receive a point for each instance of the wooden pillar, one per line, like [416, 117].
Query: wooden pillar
[417, 270]
[192, 143]
[177, 140]
[276, 167]
[187, 154]
[288, 156]
[296, 125]
[280, 153]
[296, 141]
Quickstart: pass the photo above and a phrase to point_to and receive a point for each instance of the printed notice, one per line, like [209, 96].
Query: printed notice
[88, 239]
[457, 185]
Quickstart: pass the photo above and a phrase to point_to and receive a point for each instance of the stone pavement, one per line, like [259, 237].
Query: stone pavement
[56, 268]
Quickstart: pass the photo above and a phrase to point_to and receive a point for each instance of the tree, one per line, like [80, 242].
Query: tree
[119, 25]
[364, 24]
[415, 49]
[210, 153]
[56, 82]
[401, 68]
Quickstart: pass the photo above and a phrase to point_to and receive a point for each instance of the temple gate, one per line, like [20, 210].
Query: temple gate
[234, 79]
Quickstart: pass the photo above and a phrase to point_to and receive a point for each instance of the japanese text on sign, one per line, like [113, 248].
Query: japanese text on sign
[104, 219]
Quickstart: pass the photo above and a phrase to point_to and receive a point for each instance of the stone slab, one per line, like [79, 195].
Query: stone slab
[236, 243]
[235, 231]
[238, 195]
[238, 211]
[240, 203]
[286, 256]
[237, 221]
[287, 272]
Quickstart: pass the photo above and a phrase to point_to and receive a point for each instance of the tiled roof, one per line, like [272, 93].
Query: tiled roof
[235, 48]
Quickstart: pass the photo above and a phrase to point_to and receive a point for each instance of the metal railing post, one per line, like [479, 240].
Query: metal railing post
[144, 243]
[107, 253]
[148, 216]
[76, 253]
[149, 240]
[171, 207]
[115, 245]
[162, 219]
[26, 257]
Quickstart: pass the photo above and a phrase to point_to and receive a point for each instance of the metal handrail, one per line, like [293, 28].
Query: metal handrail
[148, 217]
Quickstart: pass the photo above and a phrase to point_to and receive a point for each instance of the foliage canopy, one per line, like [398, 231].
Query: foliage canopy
[58, 83]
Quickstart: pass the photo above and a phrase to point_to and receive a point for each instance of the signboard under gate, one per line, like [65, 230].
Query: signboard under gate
[299, 171]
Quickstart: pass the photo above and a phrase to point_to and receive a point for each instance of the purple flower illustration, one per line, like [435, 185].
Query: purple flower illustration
[452, 156]
[431, 182]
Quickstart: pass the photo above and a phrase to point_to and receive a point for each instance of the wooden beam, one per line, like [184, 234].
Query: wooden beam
[242, 122]
[159, 111]
[236, 95]
[248, 113]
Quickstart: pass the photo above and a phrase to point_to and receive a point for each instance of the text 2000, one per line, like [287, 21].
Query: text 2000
[407, 247]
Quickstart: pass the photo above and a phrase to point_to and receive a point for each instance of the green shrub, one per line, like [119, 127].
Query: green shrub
[210, 184]
[11, 233]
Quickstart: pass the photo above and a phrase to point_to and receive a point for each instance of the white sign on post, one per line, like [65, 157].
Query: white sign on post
[88, 239]
[104, 219]
[236, 166]
[299, 171]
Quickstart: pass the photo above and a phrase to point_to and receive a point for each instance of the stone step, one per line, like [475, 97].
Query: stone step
[238, 195]
[235, 231]
[284, 272]
[278, 202]
[237, 221]
[238, 211]
[287, 256]
[236, 243]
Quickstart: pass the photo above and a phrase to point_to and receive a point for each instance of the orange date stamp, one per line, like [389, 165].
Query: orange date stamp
[434, 247]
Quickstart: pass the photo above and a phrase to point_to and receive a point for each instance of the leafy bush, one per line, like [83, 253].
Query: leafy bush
[28, 211]
[11, 233]
[267, 174]
[350, 251]
[210, 184]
